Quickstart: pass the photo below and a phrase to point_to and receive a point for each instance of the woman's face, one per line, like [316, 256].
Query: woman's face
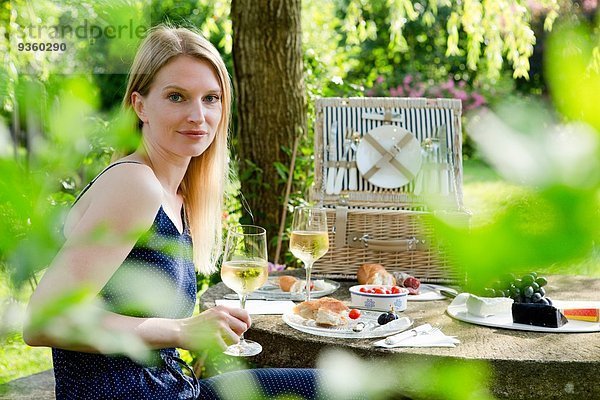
[182, 109]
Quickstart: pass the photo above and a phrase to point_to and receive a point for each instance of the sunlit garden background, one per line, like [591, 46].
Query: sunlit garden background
[527, 72]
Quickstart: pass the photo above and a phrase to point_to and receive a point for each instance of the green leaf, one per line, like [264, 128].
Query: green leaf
[574, 83]
[282, 170]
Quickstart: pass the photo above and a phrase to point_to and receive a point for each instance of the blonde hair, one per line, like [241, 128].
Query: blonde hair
[205, 179]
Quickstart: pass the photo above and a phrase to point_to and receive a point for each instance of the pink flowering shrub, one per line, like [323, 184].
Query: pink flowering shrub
[412, 87]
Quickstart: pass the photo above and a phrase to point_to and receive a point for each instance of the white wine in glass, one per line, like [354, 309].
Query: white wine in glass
[243, 276]
[244, 270]
[309, 240]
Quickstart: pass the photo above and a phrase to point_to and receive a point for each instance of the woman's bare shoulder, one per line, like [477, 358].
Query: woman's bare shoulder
[126, 196]
[130, 179]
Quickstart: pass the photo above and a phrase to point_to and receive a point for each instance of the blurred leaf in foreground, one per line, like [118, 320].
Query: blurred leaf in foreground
[346, 376]
[573, 71]
[553, 223]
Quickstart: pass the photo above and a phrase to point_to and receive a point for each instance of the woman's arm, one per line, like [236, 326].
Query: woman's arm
[122, 202]
[215, 328]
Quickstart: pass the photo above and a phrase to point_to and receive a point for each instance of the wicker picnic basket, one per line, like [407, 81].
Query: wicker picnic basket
[370, 222]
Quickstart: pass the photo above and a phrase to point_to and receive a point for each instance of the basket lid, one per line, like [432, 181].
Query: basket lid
[388, 152]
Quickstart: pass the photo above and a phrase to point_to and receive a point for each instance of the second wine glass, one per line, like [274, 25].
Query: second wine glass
[244, 270]
[309, 240]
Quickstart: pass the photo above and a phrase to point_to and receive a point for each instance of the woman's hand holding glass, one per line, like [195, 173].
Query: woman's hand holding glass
[215, 328]
[309, 240]
[244, 270]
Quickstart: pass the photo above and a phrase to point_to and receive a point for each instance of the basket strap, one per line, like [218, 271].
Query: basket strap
[341, 217]
[387, 117]
[363, 241]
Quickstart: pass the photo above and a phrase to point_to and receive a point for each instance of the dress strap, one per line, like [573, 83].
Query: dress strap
[186, 226]
[85, 189]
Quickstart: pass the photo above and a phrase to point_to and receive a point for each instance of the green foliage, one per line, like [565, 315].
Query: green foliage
[211, 18]
[484, 32]
[40, 185]
[437, 40]
[347, 376]
[574, 72]
[535, 231]
[553, 223]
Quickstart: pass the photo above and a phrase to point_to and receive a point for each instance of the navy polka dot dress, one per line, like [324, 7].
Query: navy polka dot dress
[157, 279]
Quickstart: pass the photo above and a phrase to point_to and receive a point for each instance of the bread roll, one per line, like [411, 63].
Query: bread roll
[326, 311]
[374, 274]
[286, 282]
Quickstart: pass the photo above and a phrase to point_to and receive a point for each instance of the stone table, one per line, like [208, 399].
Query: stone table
[524, 364]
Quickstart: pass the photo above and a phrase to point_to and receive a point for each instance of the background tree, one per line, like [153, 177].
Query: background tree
[270, 98]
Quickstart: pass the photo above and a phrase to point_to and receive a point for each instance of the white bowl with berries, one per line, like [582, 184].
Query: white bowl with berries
[379, 297]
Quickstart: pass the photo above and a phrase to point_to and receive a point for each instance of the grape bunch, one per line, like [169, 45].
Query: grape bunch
[527, 289]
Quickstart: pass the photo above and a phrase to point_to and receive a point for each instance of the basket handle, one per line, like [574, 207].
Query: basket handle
[364, 241]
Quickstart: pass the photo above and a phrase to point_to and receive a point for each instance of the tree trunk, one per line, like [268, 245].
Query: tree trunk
[271, 107]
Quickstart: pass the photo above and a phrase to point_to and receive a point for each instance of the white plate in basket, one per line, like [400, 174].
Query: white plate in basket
[272, 290]
[504, 321]
[372, 328]
[388, 176]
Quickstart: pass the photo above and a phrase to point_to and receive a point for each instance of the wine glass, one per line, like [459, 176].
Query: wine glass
[309, 240]
[244, 270]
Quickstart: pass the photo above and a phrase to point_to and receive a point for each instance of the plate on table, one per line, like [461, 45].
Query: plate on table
[505, 321]
[271, 289]
[430, 292]
[372, 328]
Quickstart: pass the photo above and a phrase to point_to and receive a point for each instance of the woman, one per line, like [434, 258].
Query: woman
[148, 207]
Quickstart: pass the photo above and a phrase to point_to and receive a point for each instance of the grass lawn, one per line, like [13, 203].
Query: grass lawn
[484, 192]
[16, 358]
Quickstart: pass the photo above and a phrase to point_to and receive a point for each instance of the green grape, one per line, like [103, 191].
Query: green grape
[541, 281]
[518, 283]
[527, 280]
[526, 289]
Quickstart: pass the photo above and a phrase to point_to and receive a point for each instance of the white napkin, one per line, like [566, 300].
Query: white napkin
[264, 307]
[421, 336]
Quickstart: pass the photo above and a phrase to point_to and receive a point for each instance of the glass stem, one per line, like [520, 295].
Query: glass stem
[243, 307]
[308, 267]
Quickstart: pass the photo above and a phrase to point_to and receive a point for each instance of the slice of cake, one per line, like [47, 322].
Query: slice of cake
[537, 314]
[582, 314]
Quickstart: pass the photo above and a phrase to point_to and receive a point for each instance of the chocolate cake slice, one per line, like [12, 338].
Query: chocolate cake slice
[537, 314]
